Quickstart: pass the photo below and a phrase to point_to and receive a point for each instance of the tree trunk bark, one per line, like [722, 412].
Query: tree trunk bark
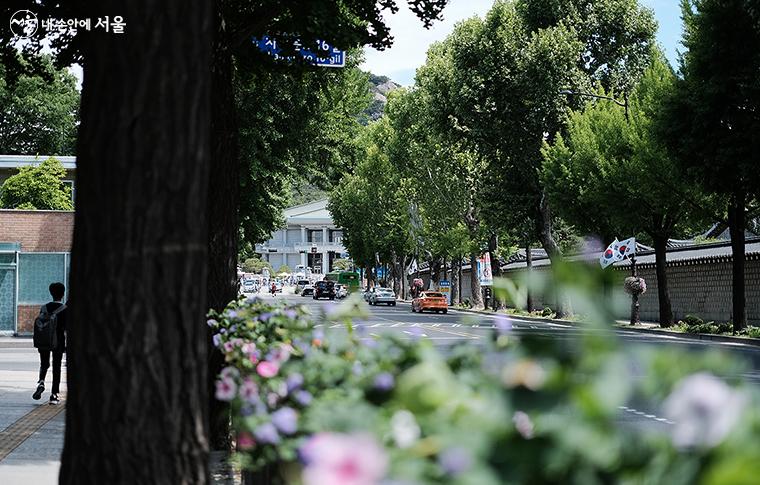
[493, 244]
[223, 202]
[435, 272]
[663, 296]
[455, 287]
[459, 270]
[544, 229]
[476, 297]
[737, 224]
[137, 386]
[529, 269]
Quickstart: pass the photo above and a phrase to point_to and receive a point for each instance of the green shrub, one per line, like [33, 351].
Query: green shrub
[691, 320]
[751, 331]
[547, 312]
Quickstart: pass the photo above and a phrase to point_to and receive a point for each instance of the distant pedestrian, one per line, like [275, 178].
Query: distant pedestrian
[50, 337]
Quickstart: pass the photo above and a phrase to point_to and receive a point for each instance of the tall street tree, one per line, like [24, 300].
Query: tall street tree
[39, 111]
[149, 148]
[713, 120]
[611, 176]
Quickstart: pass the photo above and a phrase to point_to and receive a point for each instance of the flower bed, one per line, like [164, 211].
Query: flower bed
[346, 409]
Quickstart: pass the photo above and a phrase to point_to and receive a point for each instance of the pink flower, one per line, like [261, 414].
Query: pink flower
[249, 391]
[267, 369]
[340, 459]
[229, 347]
[245, 441]
[226, 389]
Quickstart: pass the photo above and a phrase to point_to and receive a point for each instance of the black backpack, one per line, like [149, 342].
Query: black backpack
[46, 328]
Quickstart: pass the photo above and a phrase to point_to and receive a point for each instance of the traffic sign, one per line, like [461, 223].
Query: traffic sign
[444, 286]
[323, 54]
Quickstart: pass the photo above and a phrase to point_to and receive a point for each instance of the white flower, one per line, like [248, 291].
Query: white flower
[523, 424]
[704, 410]
[404, 429]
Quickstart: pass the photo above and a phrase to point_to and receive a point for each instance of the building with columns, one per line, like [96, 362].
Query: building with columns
[309, 238]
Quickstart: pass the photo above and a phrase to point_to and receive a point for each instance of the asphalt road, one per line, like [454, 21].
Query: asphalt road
[457, 326]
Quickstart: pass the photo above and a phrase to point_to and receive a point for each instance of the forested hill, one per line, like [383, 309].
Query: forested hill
[380, 86]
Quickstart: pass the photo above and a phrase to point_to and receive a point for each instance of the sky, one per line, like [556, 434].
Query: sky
[411, 39]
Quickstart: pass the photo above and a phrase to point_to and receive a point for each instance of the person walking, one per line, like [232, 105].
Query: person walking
[50, 338]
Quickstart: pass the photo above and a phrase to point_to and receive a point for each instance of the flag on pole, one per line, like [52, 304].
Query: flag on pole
[627, 248]
[611, 254]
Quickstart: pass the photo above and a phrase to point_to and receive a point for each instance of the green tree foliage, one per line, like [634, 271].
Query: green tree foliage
[37, 187]
[712, 121]
[39, 113]
[342, 264]
[296, 128]
[284, 269]
[371, 204]
[256, 265]
[611, 176]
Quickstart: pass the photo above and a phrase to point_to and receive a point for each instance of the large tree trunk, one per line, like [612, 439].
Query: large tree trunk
[546, 237]
[529, 270]
[476, 297]
[663, 296]
[737, 224]
[223, 200]
[435, 273]
[137, 387]
[493, 244]
[455, 287]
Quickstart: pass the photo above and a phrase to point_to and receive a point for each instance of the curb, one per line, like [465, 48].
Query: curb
[694, 336]
[20, 342]
[685, 336]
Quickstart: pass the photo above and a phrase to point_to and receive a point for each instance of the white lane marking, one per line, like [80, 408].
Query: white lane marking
[457, 325]
[648, 416]
[398, 324]
[412, 333]
[376, 325]
[436, 324]
[374, 334]
[337, 325]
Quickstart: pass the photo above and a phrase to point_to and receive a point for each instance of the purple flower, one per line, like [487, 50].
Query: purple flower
[251, 300]
[233, 328]
[267, 434]
[249, 391]
[232, 314]
[503, 324]
[226, 389]
[384, 381]
[222, 330]
[294, 381]
[246, 411]
[303, 398]
[455, 461]
[272, 400]
[290, 313]
[217, 339]
[211, 322]
[265, 316]
[229, 372]
[523, 424]
[285, 420]
[357, 368]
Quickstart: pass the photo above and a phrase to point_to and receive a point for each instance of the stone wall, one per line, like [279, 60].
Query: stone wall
[38, 231]
[701, 288]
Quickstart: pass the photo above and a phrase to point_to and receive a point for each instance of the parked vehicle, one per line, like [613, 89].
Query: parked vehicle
[324, 289]
[307, 290]
[367, 293]
[301, 285]
[248, 286]
[430, 300]
[382, 296]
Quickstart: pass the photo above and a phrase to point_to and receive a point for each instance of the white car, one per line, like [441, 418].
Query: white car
[301, 285]
[382, 296]
[307, 290]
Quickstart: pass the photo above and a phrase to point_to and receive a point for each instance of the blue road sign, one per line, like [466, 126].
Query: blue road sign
[323, 54]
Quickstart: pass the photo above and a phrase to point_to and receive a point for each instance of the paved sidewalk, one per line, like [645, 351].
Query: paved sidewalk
[31, 432]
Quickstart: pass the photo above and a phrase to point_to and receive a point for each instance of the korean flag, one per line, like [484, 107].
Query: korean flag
[627, 248]
[611, 254]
